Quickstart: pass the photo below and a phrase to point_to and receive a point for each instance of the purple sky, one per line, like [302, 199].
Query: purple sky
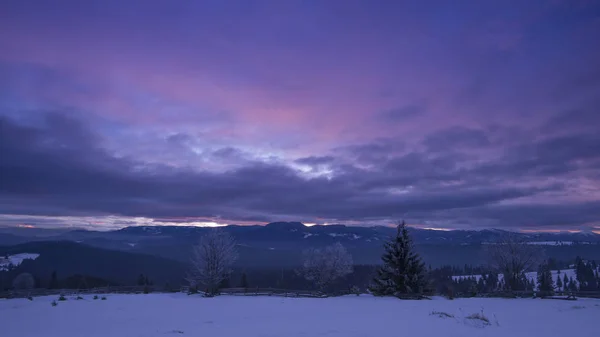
[468, 114]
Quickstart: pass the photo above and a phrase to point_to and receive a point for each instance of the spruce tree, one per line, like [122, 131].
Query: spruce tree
[544, 279]
[566, 281]
[402, 272]
[53, 281]
[244, 281]
[559, 283]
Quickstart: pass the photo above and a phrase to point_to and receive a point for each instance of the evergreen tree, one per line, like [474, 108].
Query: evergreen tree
[544, 279]
[559, 283]
[244, 281]
[141, 280]
[53, 281]
[403, 271]
[572, 285]
[566, 282]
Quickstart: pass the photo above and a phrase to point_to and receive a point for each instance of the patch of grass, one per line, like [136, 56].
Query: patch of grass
[479, 316]
[441, 314]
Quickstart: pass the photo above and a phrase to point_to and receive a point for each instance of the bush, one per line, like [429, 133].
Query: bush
[95, 297]
[30, 298]
[479, 316]
[103, 298]
[355, 290]
[62, 298]
[54, 303]
[441, 314]
[79, 297]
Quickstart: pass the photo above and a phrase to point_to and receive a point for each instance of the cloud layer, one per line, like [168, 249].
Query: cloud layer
[339, 112]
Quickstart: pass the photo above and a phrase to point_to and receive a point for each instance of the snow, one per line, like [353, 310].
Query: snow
[352, 236]
[531, 276]
[307, 235]
[349, 316]
[551, 243]
[16, 260]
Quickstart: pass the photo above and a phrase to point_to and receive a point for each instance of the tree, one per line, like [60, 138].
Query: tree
[544, 280]
[559, 283]
[24, 281]
[53, 281]
[244, 281]
[402, 272]
[141, 280]
[323, 266]
[513, 257]
[566, 282]
[212, 259]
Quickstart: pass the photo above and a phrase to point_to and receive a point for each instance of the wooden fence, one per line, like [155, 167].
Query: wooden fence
[258, 292]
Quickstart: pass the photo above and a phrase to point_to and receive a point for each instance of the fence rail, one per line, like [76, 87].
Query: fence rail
[258, 292]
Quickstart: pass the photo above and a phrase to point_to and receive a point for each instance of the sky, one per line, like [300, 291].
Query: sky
[448, 114]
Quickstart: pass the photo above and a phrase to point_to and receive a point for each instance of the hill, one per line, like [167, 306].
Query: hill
[70, 258]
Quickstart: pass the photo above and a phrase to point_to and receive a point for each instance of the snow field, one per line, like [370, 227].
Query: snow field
[16, 260]
[348, 316]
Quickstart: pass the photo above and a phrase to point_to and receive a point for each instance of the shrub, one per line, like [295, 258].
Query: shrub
[355, 290]
[62, 298]
[95, 297]
[441, 314]
[479, 316]
[54, 303]
[79, 297]
[30, 298]
[103, 298]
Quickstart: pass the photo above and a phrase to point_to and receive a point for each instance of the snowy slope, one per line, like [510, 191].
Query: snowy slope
[16, 260]
[351, 316]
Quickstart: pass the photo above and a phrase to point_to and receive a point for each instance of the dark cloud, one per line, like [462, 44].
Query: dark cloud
[315, 160]
[49, 171]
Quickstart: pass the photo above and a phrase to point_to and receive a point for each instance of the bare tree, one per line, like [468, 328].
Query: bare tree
[323, 266]
[24, 281]
[512, 257]
[212, 259]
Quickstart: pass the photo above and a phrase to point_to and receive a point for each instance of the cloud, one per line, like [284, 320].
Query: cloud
[45, 175]
[297, 113]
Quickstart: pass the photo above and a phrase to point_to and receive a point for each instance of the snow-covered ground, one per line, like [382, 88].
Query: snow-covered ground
[16, 260]
[349, 316]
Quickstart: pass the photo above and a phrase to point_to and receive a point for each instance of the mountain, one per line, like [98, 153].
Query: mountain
[280, 244]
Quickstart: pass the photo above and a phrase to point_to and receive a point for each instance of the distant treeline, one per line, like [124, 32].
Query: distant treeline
[441, 279]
